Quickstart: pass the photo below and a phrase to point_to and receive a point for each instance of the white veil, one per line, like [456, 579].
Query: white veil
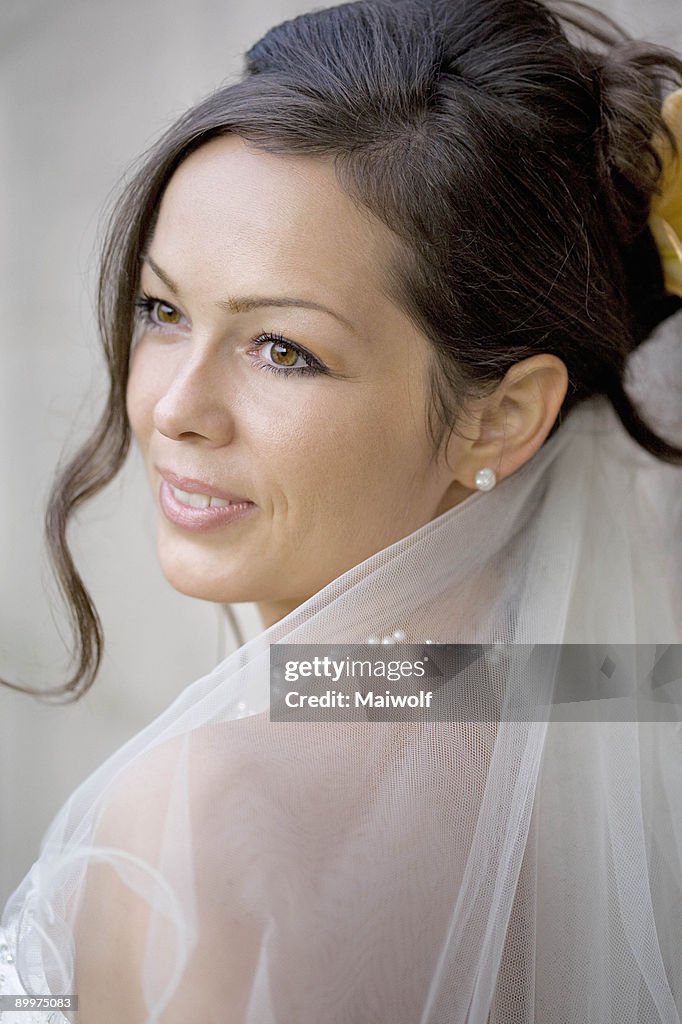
[496, 865]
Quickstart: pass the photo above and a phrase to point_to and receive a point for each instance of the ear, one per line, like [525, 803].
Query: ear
[506, 428]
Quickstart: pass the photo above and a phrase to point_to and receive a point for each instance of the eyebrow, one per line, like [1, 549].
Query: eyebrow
[245, 303]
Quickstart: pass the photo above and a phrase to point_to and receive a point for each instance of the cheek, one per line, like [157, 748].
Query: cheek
[133, 408]
[345, 447]
[142, 392]
[139, 406]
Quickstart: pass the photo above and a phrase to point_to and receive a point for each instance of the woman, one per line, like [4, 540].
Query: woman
[368, 313]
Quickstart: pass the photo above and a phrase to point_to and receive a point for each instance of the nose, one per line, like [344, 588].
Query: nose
[196, 402]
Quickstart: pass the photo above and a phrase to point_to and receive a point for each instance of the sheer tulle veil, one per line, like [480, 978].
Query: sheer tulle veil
[519, 861]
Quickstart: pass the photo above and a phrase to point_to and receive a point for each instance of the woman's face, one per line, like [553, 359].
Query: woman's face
[324, 432]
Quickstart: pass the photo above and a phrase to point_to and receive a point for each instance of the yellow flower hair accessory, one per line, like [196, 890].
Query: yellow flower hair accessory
[666, 208]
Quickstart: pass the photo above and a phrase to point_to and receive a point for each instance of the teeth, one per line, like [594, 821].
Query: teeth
[198, 500]
[195, 500]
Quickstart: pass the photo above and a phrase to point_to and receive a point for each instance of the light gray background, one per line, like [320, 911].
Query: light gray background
[85, 87]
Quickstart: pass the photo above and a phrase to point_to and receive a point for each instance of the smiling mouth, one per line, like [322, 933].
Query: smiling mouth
[190, 492]
[194, 511]
[202, 500]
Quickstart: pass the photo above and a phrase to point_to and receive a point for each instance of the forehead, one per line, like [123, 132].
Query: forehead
[231, 209]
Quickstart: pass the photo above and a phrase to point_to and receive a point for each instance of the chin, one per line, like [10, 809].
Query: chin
[196, 574]
[200, 577]
[191, 586]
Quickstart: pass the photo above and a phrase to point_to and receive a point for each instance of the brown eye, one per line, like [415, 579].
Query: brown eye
[165, 313]
[283, 355]
[278, 353]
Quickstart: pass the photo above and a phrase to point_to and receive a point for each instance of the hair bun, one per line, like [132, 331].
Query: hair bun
[628, 99]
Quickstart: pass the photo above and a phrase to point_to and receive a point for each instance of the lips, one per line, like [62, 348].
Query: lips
[203, 518]
[192, 486]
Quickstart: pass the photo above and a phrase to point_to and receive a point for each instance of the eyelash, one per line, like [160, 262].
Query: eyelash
[145, 303]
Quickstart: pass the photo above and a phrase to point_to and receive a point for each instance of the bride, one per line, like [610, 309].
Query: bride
[368, 313]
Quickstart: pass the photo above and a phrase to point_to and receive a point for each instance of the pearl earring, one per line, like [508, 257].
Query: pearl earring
[486, 479]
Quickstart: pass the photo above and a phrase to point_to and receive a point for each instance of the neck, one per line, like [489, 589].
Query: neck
[273, 611]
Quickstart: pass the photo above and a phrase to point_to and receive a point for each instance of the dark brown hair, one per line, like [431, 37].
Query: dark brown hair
[506, 144]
